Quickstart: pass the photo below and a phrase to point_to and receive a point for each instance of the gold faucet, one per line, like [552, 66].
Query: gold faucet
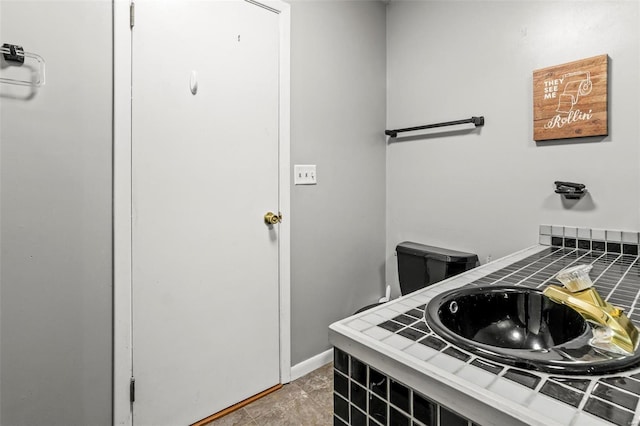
[579, 294]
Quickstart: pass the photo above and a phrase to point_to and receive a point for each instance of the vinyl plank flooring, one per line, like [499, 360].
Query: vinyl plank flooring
[306, 401]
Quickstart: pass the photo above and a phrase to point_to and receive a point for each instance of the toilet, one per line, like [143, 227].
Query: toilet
[420, 265]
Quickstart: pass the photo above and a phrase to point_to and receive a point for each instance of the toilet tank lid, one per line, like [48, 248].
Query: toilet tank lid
[438, 253]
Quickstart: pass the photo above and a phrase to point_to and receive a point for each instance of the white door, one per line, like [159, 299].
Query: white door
[205, 172]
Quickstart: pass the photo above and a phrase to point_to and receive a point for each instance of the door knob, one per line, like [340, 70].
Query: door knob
[272, 218]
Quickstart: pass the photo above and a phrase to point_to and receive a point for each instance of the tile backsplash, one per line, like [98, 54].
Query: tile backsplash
[599, 240]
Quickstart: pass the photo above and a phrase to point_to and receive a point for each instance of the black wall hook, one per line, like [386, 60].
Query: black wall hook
[15, 54]
[570, 190]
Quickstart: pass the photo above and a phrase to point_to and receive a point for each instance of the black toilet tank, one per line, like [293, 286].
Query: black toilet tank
[420, 265]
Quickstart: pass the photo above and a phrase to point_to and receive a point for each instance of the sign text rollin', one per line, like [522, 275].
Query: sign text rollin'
[574, 116]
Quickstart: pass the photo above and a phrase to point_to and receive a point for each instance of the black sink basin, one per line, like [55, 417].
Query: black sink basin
[521, 327]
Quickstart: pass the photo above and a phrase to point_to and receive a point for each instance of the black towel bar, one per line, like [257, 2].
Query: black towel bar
[477, 121]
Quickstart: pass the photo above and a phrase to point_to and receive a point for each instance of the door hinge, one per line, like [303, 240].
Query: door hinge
[132, 14]
[132, 390]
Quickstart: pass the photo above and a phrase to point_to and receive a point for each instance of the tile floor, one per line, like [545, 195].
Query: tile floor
[306, 401]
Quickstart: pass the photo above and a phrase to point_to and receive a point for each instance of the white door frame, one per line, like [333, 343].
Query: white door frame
[122, 203]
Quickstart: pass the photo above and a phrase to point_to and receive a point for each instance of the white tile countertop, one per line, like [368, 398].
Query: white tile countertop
[394, 339]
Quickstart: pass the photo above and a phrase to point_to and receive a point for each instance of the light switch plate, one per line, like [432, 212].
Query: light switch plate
[304, 174]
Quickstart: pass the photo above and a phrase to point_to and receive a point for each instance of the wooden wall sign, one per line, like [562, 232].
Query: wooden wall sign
[570, 100]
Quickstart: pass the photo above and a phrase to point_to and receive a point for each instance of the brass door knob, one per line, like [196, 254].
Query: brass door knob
[272, 219]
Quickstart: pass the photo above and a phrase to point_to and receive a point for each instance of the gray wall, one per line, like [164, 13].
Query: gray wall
[337, 122]
[487, 191]
[55, 235]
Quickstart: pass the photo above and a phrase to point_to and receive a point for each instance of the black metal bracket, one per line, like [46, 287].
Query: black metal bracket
[570, 190]
[477, 121]
[16, 53]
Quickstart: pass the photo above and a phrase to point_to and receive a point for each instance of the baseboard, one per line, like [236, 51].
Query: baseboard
[307, 366]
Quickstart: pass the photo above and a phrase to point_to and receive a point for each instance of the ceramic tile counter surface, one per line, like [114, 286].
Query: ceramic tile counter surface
[393, 340]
